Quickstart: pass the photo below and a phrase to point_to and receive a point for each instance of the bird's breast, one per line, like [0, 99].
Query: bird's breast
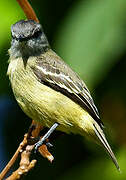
[43, 104]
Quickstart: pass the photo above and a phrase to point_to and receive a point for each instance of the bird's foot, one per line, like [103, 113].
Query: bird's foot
[45, 137]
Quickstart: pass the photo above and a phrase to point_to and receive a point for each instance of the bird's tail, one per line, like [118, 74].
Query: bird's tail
[106, 146]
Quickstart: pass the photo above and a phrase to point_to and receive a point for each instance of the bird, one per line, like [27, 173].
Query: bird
[48, 90]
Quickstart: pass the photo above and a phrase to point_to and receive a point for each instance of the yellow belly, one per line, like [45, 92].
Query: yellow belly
[45, 105]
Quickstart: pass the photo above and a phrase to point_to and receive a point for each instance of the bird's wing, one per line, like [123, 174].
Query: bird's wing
[52, 71]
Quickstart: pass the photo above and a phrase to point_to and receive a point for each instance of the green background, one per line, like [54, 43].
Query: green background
[90, 35]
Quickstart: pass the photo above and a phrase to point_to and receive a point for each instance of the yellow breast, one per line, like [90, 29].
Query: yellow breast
[43, 104]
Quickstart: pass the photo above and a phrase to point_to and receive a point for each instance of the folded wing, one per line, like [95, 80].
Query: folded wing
[52, 71]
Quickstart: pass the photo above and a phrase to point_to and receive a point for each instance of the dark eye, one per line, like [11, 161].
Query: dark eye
[21, 37]
[37, 34]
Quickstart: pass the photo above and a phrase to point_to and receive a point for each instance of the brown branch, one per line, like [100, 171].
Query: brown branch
[45, 153]
[42, 149]
[28, 10]
[25, 150]
[25, 164]
[13, 159]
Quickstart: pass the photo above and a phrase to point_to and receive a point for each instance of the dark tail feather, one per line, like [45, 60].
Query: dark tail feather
[106, 146]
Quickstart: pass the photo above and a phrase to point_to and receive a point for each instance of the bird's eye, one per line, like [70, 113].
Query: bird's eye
[22, 37]
[37, 34]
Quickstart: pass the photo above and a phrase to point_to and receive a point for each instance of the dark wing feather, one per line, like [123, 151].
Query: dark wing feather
[53, 72]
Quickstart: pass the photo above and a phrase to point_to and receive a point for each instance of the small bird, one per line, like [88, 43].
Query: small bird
[48, 90]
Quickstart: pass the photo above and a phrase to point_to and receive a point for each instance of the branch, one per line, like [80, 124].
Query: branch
[28, 10]
[25, 149]
[13, 159]
[25, 164]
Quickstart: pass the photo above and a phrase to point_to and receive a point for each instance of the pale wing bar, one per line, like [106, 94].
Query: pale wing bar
[59, 81]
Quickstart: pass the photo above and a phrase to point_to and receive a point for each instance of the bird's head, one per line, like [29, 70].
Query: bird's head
[28, 39]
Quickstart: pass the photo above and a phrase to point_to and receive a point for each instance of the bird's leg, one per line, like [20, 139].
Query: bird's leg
[46, 136]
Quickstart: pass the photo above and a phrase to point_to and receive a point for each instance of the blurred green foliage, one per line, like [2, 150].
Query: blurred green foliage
[10, 12]
[90, 35]
[93, 35]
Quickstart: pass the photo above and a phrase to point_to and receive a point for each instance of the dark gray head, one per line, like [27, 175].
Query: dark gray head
[24, 30]
[28, 39]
